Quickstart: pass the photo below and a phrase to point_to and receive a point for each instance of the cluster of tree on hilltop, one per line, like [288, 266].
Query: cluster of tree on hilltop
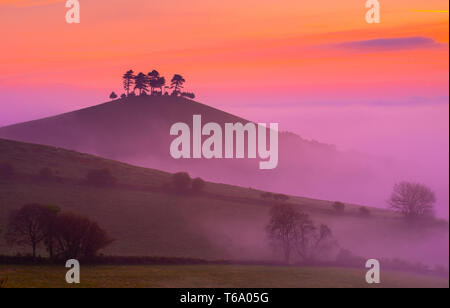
[152, 84]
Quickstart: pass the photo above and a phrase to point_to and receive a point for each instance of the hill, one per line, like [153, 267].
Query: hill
[225, 222]
[136, 131]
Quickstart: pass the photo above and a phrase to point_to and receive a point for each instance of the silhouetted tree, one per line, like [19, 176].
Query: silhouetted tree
[141, 83]
[123, 96]
[314, 243]
[166, 90]
[100, 177]
[96, 239]
[158, 83]
[293, 231]
[413, 200]
[78, 236]
[48, 223]
[282, 228]
[198, 185]
[113, 95]
[177, 83]
[128, 79]
[25, 226]
[152, 76]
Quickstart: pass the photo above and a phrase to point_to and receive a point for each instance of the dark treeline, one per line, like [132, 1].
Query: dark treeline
[64, 235]
[182, 183]
[153, 83]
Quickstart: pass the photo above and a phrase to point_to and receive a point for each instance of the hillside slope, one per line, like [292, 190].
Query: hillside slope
[136, 131]
[225, 222]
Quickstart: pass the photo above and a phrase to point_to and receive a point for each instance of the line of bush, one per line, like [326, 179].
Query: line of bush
[181, 183]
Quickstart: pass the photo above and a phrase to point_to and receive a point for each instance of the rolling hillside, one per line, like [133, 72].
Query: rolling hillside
[136, 131]
[225, 222]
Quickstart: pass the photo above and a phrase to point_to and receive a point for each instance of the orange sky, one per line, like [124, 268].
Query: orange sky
[200, 37]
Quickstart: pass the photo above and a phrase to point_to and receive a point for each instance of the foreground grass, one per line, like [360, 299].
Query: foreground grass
[209, 276]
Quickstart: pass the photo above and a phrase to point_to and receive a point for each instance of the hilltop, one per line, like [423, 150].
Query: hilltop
[225, 222]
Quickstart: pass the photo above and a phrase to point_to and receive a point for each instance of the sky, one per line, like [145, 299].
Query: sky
[316, 67]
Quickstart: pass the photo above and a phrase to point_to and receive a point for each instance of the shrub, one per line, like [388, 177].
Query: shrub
[181, 182]
[100, 177]
[339, 207]
[198, 185]
[78, 236]
[6, 171]
[113, 95]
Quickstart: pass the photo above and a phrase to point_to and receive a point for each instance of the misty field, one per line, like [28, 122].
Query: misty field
[210, 276]
[224, 223]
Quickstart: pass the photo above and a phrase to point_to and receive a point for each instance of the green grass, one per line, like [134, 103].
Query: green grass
[210, 276]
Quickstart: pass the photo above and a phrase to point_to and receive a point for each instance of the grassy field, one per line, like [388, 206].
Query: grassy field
[224, 223]
[210, 276]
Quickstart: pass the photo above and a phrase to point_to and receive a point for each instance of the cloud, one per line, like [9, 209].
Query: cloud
[388, 44]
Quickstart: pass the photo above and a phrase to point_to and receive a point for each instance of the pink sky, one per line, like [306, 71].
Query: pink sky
[316, 68]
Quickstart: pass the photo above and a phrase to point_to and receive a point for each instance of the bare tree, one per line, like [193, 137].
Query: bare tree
[413, 200]
[49, 220]
[315, 243]
[293, 231]
[25, 226]
[282, 228]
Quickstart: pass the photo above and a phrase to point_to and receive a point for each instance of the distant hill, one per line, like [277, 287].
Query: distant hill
[224, 222]
[136, 131]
